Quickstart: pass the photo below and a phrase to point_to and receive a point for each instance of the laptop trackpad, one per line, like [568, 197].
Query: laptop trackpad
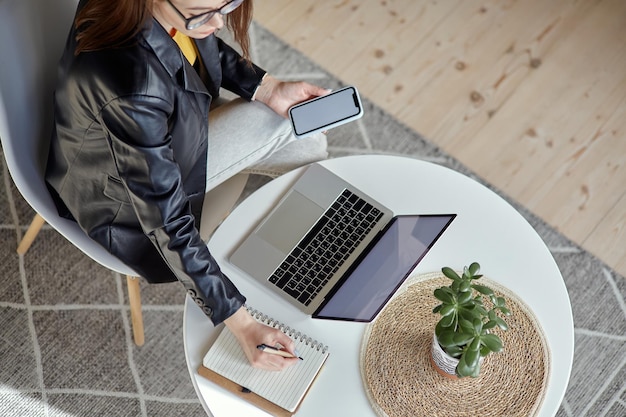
[284, 228]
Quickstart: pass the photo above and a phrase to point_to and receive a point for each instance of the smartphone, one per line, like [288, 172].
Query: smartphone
[325, 112]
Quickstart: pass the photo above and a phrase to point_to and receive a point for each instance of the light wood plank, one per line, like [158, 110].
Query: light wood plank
[479, 68]
[577, 89]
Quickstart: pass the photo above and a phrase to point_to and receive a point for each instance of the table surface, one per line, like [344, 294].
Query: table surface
[487, 230]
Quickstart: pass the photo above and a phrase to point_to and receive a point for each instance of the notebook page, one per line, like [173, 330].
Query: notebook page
[285, 388]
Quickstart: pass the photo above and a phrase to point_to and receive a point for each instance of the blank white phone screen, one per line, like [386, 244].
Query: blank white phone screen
[324, 111]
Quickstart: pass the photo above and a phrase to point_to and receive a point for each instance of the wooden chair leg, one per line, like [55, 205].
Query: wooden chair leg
[134, 299]
[31, 234]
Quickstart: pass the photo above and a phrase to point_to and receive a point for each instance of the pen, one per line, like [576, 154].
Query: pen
[274, 351]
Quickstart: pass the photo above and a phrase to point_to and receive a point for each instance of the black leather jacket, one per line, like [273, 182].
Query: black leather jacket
[128, 155]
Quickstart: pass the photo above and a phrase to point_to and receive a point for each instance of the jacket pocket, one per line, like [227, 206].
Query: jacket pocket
[114, 189]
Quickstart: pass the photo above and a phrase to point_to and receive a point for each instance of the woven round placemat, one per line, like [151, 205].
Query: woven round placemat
[400, 380]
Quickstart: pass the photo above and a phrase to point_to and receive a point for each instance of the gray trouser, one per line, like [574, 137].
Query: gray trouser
[249, 137]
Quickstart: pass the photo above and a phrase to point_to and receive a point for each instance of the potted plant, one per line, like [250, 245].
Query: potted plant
[463, 331]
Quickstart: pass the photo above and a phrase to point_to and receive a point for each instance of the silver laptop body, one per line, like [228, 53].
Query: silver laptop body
[268, 245]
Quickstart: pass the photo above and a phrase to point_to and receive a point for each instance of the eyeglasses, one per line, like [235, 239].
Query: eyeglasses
[196, 21]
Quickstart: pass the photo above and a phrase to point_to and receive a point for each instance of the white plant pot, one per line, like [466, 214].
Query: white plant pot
[442, 362]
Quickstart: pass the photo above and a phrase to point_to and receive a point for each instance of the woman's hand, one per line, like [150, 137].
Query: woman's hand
[281, 95]
[250, 333]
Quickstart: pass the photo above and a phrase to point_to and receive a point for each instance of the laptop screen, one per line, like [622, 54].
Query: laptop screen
[375, 277]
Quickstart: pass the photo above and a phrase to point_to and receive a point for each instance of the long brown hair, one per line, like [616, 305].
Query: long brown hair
[103, 24]
[239, 22]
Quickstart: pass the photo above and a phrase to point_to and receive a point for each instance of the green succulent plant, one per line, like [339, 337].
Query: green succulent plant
[463, 331]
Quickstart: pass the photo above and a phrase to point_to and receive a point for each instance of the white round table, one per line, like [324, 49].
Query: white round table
[487, 230]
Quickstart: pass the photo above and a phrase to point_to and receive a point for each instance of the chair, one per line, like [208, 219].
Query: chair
[32, 36]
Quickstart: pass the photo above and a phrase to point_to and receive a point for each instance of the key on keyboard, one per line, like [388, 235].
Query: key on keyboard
[325, 247]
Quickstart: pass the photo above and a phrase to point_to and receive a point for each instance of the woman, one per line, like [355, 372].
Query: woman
[135, 148]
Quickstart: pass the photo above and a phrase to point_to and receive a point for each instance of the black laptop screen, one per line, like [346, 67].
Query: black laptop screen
[380, 272]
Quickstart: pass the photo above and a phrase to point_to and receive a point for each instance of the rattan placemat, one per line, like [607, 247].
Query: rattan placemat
[400, 381]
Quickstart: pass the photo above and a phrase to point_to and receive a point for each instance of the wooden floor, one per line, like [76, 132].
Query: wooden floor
[529, 94]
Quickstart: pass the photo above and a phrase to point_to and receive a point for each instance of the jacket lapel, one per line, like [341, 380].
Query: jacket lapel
[173, 60]
[210, 69]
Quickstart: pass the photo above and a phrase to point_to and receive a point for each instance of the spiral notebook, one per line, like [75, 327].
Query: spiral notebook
[279, 393]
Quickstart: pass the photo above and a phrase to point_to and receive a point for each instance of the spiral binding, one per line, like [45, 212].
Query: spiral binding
[293, 333]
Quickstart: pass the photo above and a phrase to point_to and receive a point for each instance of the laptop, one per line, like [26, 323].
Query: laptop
[333, 251]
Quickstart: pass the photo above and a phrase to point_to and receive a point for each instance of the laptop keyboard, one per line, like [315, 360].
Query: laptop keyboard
[311, 264]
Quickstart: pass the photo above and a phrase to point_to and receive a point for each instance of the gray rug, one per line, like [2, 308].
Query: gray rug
[65, 343]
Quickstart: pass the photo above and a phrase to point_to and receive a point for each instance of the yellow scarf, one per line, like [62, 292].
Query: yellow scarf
[186, 45]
